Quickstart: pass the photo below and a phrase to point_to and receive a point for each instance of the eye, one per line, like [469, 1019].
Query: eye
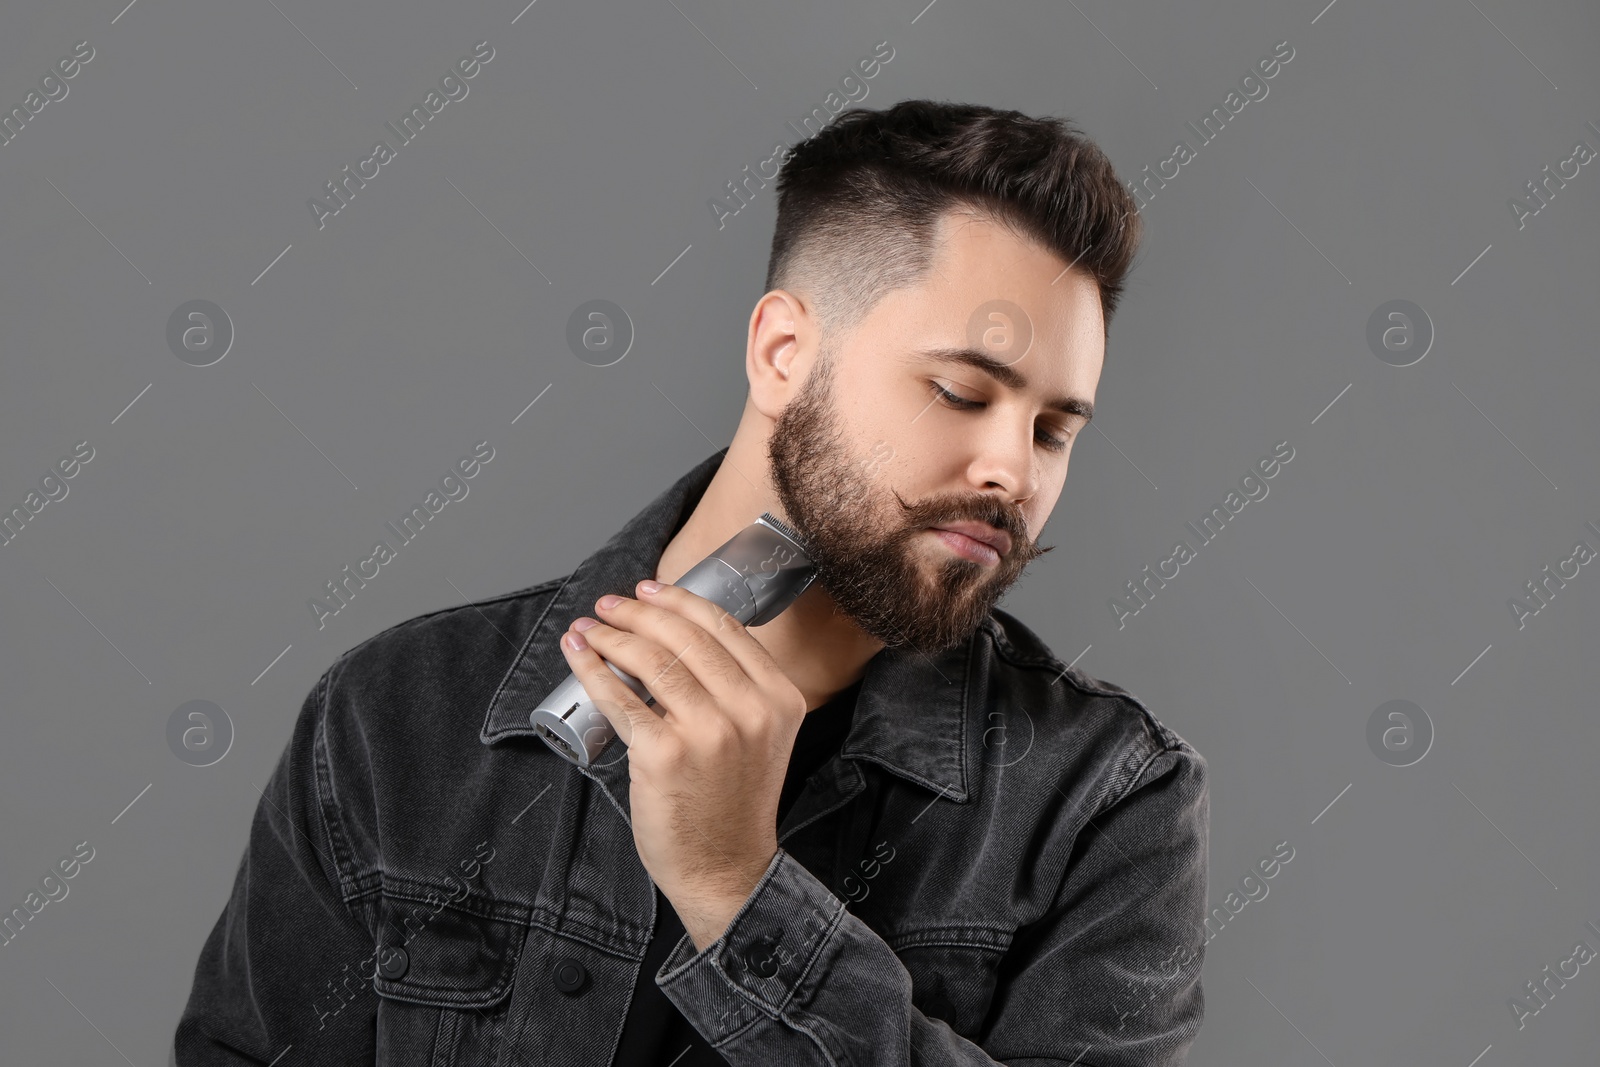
[961, 403]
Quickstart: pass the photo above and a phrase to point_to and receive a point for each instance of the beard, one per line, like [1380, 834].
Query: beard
[872, 549]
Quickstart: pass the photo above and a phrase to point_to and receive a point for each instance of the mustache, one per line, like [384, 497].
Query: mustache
[939, 510]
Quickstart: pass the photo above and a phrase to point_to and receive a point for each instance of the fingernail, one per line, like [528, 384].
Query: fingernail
[576, 642]
[583, 623]
[609, 601]
[649, 586]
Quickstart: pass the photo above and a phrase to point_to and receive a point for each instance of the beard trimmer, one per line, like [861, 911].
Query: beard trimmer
[758, 573]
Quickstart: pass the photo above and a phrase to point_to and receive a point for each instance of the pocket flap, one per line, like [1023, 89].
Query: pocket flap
[444, 957]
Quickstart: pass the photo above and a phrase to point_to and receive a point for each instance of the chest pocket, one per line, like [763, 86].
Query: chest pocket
[952, 982]
[443, 978]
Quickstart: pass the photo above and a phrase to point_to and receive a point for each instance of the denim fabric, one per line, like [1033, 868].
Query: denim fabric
[1006, 862]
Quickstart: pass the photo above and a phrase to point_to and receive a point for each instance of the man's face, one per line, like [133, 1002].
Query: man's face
[868, 458]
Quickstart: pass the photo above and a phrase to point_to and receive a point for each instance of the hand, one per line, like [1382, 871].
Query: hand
[707, 762]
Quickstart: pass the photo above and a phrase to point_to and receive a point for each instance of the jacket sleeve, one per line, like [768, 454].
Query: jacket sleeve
[290, 961]
[1109, 976]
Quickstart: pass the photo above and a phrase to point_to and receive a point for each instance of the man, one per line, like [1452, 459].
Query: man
[888, 826]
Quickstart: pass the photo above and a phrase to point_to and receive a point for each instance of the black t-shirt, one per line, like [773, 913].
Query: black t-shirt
[655, 1033]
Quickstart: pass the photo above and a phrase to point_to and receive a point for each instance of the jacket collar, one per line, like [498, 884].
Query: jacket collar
[911, 714]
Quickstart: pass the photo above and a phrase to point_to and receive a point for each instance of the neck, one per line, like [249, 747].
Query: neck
[820, 649]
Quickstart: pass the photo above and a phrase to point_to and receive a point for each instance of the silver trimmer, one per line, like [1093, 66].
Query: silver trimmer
[760, 571]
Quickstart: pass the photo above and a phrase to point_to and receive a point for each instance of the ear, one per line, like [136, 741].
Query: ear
[779, 351]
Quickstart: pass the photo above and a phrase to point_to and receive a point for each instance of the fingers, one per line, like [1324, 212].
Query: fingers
[691, 655]
[629, 716]
[737, 641]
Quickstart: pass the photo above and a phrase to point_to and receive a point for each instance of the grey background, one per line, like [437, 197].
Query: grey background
[376, 351]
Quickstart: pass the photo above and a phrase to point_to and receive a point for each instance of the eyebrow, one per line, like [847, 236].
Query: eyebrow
[1007, 375]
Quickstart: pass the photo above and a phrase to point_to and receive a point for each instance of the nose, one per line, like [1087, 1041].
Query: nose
[1005, 460]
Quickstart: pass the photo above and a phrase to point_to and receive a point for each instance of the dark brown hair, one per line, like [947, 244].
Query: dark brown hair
[859, 201]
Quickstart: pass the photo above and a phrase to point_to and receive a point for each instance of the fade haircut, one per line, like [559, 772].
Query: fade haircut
[859, 202]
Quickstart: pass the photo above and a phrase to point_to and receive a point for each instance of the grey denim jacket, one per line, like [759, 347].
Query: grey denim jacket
[1006, 863]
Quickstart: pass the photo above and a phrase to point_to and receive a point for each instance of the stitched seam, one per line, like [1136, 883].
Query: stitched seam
[932, 786]
[780, 1014]
[753, 903]
[443, 1042]
[523, 650]
[364, 885]
[762, 1010]
[816, 1039]
[425, 616]
[760, 1016]
[811, 962]
[531, 918]
[477, 904]
[451, 992]
[783, 1013]
[343, 854]
[1159, 730]
[1137, 780]
[952, 937]
[966, 707]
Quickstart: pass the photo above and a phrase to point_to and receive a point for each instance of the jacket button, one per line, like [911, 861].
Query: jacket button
[392, 961]
[571, 976]
[761, 957]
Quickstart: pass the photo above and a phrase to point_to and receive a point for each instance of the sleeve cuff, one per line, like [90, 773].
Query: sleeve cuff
[762, 959]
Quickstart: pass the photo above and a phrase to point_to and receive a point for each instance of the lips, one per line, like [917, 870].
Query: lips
[998, 540]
